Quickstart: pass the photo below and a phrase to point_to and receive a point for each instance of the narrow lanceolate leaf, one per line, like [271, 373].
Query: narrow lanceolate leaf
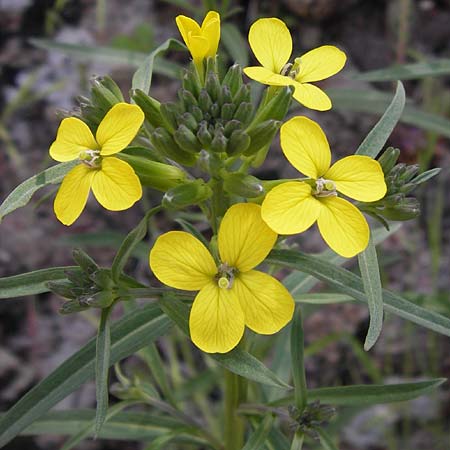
[259, 436]
[370, 273]
[297, 360]
[127, 426]
[107, 55]
[368, 394]
[32, 282]
[128, 335]
[375, 140]
[323, 298]
[142, 79]
[22, 194]
[102, 355]
[348, 283]
[408, 71]
[301, 282]
[238, 361]
[376, 102]
[127, 247]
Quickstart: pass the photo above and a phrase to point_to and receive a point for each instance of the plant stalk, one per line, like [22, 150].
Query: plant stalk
[235, 393]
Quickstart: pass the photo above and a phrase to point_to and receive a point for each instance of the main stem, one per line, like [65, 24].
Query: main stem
[235, 394]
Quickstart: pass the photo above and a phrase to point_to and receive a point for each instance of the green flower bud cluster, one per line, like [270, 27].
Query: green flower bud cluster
[88, 286]
[401, 179]
[312, 417]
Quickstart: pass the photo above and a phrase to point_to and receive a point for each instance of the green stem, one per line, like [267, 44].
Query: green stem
[298, 364]
[297, 441]
[235, 392]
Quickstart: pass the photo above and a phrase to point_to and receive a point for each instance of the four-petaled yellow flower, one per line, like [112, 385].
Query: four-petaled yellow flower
[232, 294]
[202, 41]
[294, 206]
[271, 43]
[113, 181]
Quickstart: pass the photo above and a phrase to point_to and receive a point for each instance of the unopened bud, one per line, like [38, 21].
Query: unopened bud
[238, 143]
[186, 139]
[408, 209]
[219, 142]
[191, 81]
[86, 263]
[388, 159]
[226, 95]
[188, 120]
[233, 78]
[62, 288]
[203, 135]
[242, 95]
[197, 113]
[101, 299]
[169, 113]
[227, 111]
[102, 97]
[243, 185]
[165, 143]
[215, 110]
[213, 87]
[204, 101]
[111, 85]
[186, 194]
[187, 98]
[261, 135]
[276, 108]
[150, 107]
[230, 126]
[243, 113]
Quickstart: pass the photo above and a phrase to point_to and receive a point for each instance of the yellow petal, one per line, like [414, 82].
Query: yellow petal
[359, 177]
[305, 146]
[320, 63]
[265, 76]
[211, 31]
[181, 261]
[198, 46]
[115, 185]
[290, 208]
[73, 194]
[119, 127]
[343, 226]
[266, 303]
[244, 239]
[187, 26]
[216, 321]
[312, 97]
[73, 137]
[271, 43]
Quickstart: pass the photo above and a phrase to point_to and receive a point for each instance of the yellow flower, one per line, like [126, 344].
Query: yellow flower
[271, 43]
[202, 41]
[294, 206]
[114, 183]
[232, 294]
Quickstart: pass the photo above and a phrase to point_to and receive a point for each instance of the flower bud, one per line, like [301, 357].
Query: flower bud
[227, 111]
[186, 139]
[101, 96]
[101, 299]
[261, 135]
[188, 120]
[72, 306]
[242, 95]
[165, 143]
[243, 185]
[150, 107]
[187, 194]
[62, 288]
[219, 142]
[169, 113]
[231, 126]
[213, 87]
[408, 209]
[197, 113]
[187, 98]
[111, 85]
[203, 135]
[243, 113]
[410, 172]
[215, 110]
[86, 263]
[226, 95]
[204, 101]
[233, 79]
[388, 159]
[191, 81]
[238, 143]
[276, 108]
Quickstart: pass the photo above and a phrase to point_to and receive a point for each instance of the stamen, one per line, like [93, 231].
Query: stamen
[91, 158]
[325, 188]
[225, 276]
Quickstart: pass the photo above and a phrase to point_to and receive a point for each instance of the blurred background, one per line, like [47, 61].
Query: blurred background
[49, 52]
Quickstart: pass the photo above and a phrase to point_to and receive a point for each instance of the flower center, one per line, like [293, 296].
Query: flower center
[291, 70]
[325, 188]
[91, 158]
[225, 276]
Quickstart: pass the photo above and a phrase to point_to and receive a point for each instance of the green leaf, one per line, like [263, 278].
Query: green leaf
[259, 436]
[128, 335]
[128, 426]
[32, 282]
[107, 55]
[370, 273]
[235, 44]
[102, 355]
[299, 282]
[376, 102]
[297, 361]
[237, 361]
[425, 176]
[407, 71]
[325, 440]
[368, 394]
[133, 238]
[325, 298]
[22, 194]
[375, 140]
[351, 284]
[142, 79]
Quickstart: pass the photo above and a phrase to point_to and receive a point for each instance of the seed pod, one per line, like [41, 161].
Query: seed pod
[203, 135]
[86, 263]
[154, 174]
[238, 143]
[165, 143]
[227, 111]
[150, 107]
[169, 113]
[188, 120]
[219, 142]
[186, 194]
[243, 112]
[233, 78]
[111, 85]
[276, 108]
[186, 139]
[204, 101]
[388, 159]
[213, 87]
[243, 185]
[261, 135]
